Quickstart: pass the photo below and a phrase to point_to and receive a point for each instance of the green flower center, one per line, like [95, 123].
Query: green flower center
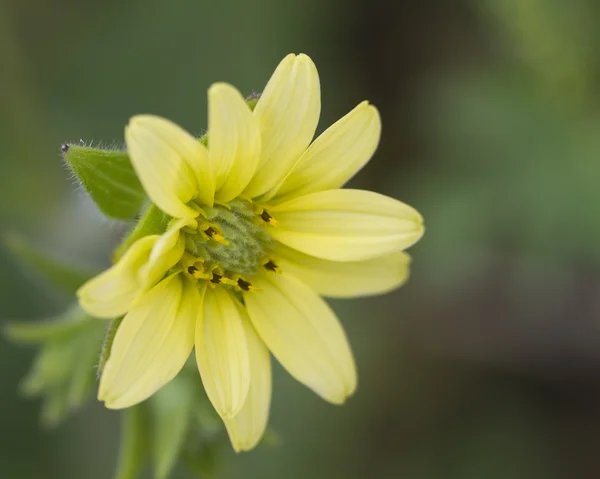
[244, 250]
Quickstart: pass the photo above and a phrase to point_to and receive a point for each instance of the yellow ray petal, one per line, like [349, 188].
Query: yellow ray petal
[152, 343]
[346, 225]
[287, 113]
[110, 294]
[336, 155]
[234, 140]
[222, 352]
[171, 164]
[345, 279]
[167, 251]
[304, 335]
[247, 427]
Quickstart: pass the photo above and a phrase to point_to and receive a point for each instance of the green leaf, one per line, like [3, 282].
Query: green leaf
[134, 443]
[84, 371]
[66, 277]
[64, 370]
[54, 408]
[171, 415]
[153, 221]
[33, 332]
[109, 178]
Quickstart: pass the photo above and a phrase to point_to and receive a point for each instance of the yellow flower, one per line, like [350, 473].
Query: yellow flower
[260, 230]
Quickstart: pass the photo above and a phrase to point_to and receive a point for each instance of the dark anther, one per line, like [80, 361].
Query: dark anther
[244, 285]
[271, 266]
[210, 232]
[266, 217]
[216, 278]
[192, 270]
[64, 147]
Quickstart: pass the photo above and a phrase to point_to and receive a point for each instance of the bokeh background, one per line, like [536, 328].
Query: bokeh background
[487, 363]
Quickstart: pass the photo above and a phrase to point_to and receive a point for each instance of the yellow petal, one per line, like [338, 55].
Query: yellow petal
[287, 113]
[345, 279]
[110, 294]
[171, 164]
[222, 352]
[346, 225]
[304, 335]
[152, 343]
[247, 427]
[234, 140]
[167, 251]
[336, 155]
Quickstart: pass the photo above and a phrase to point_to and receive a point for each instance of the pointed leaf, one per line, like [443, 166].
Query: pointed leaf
[55, 329]
[68, 278]
[109, 178]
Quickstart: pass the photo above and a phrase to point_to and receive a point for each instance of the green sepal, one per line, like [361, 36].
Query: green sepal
[109, 178]
[109, 338]
[135, 443]
[153, 221]
[171, 412]
[252, 100]
[52, 271]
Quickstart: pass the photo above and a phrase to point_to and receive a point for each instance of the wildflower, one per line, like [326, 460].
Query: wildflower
[260, 229]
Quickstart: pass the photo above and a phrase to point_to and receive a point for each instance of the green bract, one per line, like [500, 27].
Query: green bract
[109, 178]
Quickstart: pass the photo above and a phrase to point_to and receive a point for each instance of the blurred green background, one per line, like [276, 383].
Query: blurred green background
[487, 364]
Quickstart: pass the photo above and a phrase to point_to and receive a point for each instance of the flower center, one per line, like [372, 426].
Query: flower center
[230, 244]
[243, 250]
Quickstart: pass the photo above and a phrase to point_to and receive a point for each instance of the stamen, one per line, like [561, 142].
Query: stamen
[212, 232]
[271, 266]
[267, 218]
[199, 273]
[192, 270]
[246, 286]
[222, 279]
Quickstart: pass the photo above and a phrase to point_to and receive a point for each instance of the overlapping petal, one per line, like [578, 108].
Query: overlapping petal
[152, 343]
[167, 251]
[346, 225]
[172, 165]
[288, 114]
[247, 427]
[336, 155]
[304, 335]
[345, 279]
[234, 140]
[110, 294]
[222, 352]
